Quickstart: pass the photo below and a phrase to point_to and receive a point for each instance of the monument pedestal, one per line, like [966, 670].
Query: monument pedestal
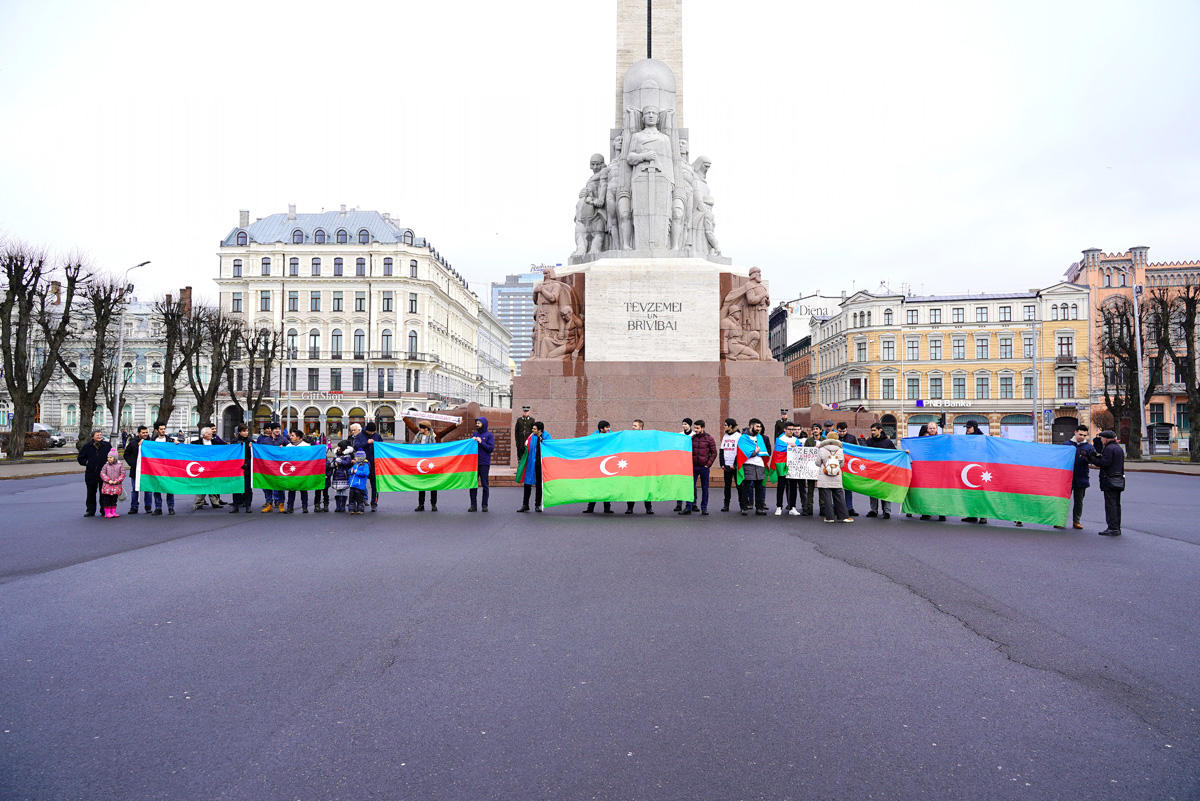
[571, 396]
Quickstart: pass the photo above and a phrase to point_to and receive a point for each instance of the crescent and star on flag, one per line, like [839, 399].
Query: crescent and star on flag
[189, 472]
[432, 465]
[621, 465]
[286, 466]
[985, 476]
[850, 468]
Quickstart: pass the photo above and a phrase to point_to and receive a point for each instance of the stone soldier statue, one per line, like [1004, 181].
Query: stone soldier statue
[682, 198]
[755, 304]
[590, 220]
[704, 240]
[555, 314]
[737, 344]
[522, 429]
[618, 200]
[652, 159]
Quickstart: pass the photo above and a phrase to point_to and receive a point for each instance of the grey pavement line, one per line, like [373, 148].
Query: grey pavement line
[1142, 697]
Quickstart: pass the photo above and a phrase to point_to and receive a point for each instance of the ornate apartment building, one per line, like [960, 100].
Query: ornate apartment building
[1017, 364]
[375, 321]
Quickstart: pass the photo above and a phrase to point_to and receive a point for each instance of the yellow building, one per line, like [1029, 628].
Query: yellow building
[1015, 363]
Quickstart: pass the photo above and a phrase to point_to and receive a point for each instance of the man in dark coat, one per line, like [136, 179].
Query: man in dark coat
[843, 432]
[242, 499]
[1111, 461]
[522, 429]
[365, 441]
[93, 456]
[487, 443]
[878, 439]
[782, 423]
[704, 453]
[132, 450]
[1080, 481]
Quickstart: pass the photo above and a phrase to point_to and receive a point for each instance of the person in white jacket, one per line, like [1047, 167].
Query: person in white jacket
[829, 480]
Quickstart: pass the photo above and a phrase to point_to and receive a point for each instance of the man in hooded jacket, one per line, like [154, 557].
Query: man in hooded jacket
[487, 443]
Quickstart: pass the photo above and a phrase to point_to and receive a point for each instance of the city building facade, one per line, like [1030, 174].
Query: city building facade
[376, 323]
[1111, 275]
[791, 321]
[1017, 364]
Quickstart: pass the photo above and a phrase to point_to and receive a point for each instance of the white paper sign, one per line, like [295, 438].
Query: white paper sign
[802, 462]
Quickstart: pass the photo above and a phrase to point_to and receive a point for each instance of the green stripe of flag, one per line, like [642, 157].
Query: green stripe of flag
[1044, 509]
[427, 482]
[873, 488]
[192, 486]
[618, 488]
[272, 481]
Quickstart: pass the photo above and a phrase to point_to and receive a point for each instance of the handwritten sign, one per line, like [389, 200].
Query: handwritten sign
[802, 462]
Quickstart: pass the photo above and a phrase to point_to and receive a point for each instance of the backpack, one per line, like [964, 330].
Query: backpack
[833, 467]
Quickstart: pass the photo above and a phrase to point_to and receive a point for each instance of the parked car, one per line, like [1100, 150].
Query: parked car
[54, 438]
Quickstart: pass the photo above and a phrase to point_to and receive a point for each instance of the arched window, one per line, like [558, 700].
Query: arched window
[337, 266]
[128, 371]
[314, 344]
[127, 415]
[335, 343]
[297, 237]
[1074, 311]
[319, 236]
[237, 268]
[387, 266]
[385, 343]
[195, 418]
[868, 319]
[412, 269]
[1053, 312]
[1121, 279]
[1107, 280]
[316, 266]
[1062, 311]
[266, 265]
[364, 236]
[293, 266]
[156, 373]
[412, 343]
[291, 340]
[360, 343]
[153, 414]
[360, 266]
[342, 237]
[887, 316]
[242, 239]
[408, 237]
[72, 415]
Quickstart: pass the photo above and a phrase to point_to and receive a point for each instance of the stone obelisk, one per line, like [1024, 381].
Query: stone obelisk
[649, 29]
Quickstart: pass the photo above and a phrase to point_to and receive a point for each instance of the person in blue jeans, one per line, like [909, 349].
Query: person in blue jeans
[272, 499]
[704, 453]
[131, 458]
[487, 443]
[160, 435]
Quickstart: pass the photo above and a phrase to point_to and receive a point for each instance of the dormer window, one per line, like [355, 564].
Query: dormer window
[242, 239]
[319, 236]
[342, 237]
[364, 237]
[297, 237]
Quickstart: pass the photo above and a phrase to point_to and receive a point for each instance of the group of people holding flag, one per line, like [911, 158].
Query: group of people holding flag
[935, 474]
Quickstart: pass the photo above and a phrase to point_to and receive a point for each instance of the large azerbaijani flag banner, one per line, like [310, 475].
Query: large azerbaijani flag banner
[625, 466]
[436, 466]
[876, 472]
[981, 476]
[294, 467]
[190, 469]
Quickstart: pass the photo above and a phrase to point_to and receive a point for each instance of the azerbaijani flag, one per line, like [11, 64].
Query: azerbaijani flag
[436, 466]
[876, 472]
[778, 465]
[982, 476]
[191, 469]
[625, 466]
[295, 467]
[746, 445]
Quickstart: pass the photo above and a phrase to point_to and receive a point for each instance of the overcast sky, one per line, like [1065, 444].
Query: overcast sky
[956, 146]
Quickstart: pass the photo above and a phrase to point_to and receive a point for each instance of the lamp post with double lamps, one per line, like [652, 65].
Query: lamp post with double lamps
[118, 375]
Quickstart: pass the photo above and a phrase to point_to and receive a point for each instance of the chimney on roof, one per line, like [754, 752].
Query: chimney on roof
[243, 218]
[343, 209]
[291, 211]
[387, 216]
[185, 299]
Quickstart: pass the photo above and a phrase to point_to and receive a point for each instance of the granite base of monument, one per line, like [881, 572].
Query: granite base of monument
[571, 396]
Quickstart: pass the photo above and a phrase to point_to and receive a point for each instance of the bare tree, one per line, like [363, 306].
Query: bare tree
[216, 335]
[258, 350]
[94, 325]
[175, 316]
[1172, 330]
[35, 320]
[1119, 351]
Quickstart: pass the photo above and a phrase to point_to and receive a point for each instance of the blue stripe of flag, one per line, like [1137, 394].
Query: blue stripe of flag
[883, 455]
[981, 448]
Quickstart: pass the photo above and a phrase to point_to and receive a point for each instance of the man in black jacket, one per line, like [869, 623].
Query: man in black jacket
[241, 500]
[93, 456]
[878, 439]
[132, 449]
[843, 432]
[1111, 461]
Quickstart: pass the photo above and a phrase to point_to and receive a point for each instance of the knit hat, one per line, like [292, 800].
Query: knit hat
[360, 452]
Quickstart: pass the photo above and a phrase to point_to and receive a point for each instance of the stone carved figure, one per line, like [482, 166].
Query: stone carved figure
[749, 304]
[558, 325]
[590, 220]
[652, 159]
[681, 207]
[618, 200]
[704, 239]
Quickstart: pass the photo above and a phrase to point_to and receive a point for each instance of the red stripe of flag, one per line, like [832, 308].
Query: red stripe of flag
[1013, 478]
[652, 463]
[878, 471]
[438, 465]
[178, 468]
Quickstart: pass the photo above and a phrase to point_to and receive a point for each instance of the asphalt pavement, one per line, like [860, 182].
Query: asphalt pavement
[565, 656]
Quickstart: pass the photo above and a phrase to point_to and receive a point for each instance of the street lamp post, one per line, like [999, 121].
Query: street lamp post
[119, 376]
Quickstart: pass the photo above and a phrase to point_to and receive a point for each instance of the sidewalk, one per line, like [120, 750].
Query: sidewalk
[1152, 466]
[38, 469]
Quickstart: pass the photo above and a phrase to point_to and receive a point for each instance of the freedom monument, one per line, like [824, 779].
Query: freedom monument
[649, 319]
